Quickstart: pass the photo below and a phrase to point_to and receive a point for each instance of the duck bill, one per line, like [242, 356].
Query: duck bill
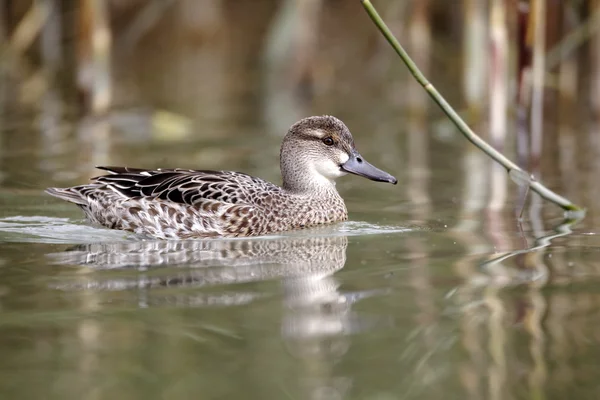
[358, 166]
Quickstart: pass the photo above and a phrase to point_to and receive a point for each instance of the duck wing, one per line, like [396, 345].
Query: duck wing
[186, 186]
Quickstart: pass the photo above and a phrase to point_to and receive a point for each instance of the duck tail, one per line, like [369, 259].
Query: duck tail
[71, 194]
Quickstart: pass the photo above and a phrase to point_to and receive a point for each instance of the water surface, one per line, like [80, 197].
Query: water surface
[430, 291]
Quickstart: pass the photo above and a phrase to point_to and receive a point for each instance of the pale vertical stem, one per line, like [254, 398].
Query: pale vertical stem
[95, 82]
[560, 352]
[497, 341]
[51, 103]
[595, 60]
[475, 170]
[498, 73]
[495, 224]
[523, 86]
[90, 332]
[474, 192]
[306, 40]
[534, 325]
[28, 28]
[475, 50]
[292, 41]
[400, 15]
[538, 13]
[467, 231]
[50, 39]
[419, 32]
[523, 46]
[419, 38]
[289, 57]
[474, 163]
[97, 75]
[467, 234]
[498, 94]
[533, 261]
[470, 368]
[101, 45]
[567, 111]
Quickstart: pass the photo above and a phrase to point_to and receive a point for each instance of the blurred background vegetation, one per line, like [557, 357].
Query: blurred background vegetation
[525, 74]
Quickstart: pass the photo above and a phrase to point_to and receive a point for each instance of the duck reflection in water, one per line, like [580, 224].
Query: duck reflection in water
[305, 266]
[317, 317]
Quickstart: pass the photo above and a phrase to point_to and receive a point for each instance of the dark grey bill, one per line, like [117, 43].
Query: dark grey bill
[358, 166]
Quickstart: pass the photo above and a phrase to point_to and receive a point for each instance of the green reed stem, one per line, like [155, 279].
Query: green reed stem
[513, 169]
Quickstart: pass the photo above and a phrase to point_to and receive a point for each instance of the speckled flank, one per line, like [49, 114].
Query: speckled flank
[178, 203]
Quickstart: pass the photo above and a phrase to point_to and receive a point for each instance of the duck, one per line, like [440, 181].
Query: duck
[198, 204]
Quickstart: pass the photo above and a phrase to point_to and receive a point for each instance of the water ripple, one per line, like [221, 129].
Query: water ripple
[51, 230]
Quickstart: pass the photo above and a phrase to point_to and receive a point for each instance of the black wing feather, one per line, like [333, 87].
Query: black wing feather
[180, 185]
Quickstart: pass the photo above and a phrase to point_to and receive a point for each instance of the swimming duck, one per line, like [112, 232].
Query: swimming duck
[187, 204]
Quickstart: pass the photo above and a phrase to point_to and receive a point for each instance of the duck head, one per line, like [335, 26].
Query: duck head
[318, 150]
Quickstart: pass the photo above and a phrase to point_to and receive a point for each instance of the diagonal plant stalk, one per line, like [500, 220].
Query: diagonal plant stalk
[519, 175]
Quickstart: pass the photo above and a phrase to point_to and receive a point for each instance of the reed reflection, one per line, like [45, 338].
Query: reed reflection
[488, 322]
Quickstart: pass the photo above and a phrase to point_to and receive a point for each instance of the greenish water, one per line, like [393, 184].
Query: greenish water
[430, 291]
[400, 302]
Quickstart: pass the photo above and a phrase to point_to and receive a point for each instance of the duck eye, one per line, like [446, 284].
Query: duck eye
[328, 141]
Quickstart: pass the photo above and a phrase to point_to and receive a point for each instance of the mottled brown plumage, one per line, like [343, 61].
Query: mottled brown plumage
[180, 203]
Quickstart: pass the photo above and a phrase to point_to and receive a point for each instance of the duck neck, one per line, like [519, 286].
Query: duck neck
[302, 179]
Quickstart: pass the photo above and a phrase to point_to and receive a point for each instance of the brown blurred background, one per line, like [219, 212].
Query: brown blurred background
[168, 73]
